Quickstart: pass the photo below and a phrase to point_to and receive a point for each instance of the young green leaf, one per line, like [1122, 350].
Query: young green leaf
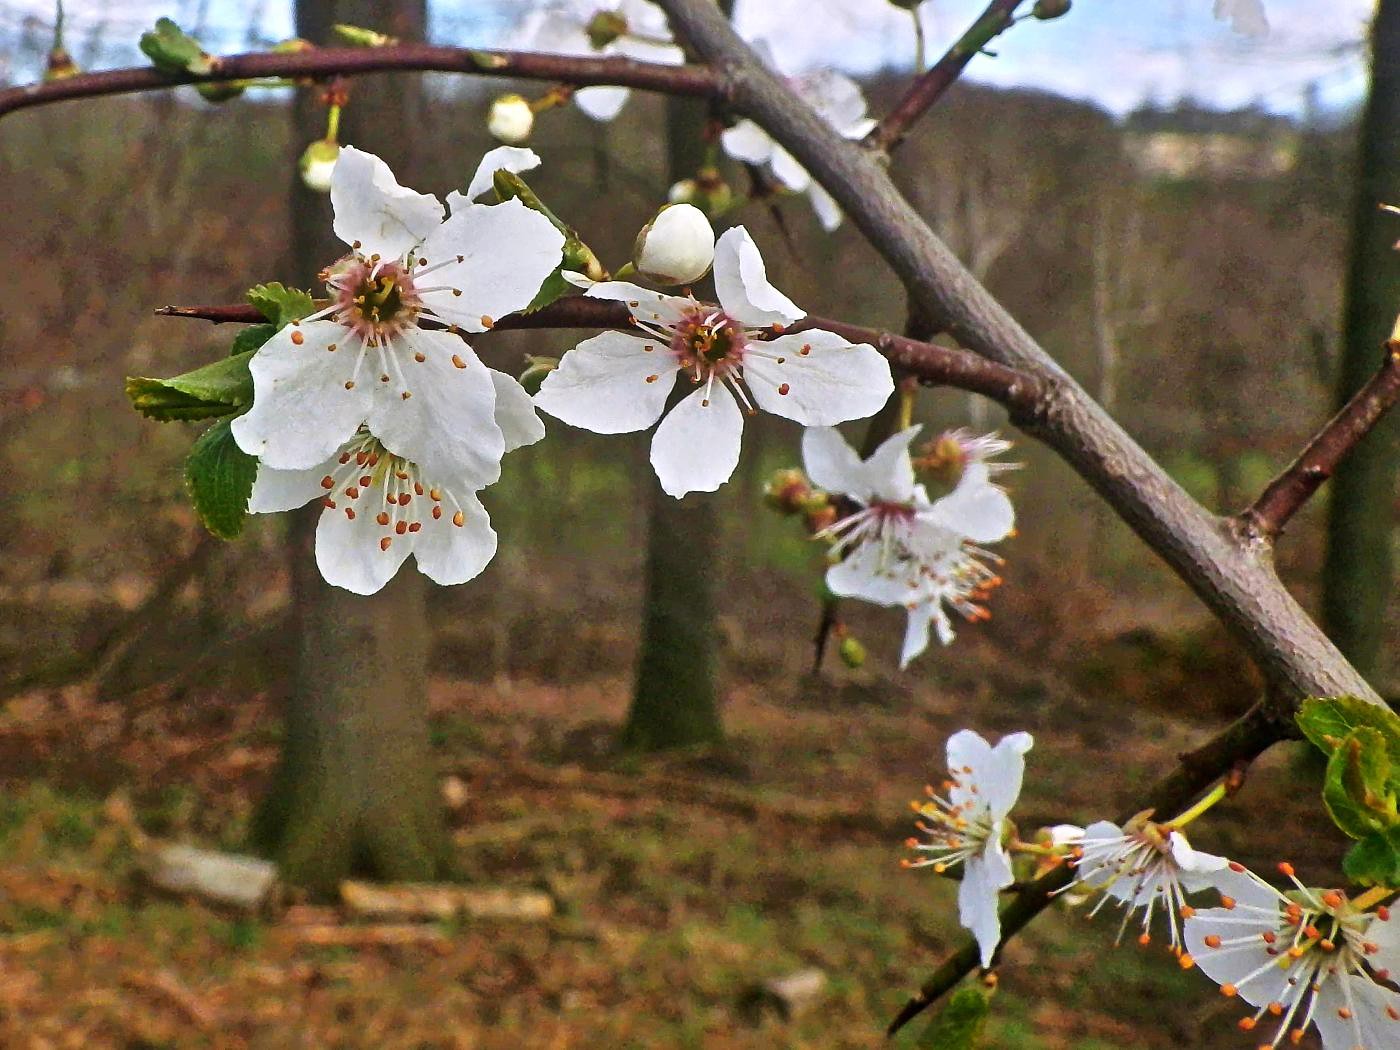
[1326, 720]
[251, 338]
[172, 50]
[1375, 860]
[219, 476]
[279, 304]
[219, 389]
[960, 1024]
[1356, 787]
[357, 36]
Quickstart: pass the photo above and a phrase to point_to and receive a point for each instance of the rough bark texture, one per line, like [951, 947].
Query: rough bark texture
[1235, 578]
[355, 792]
[1361, 519]
[675, 699]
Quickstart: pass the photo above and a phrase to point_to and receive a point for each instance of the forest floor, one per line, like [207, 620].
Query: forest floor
[682, 882]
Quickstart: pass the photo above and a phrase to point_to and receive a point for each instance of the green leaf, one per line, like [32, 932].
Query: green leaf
[221, 90]
[172, 50]
[251, 338]
[960, 1024]
[1327, 720]
[279, 304]
[1356, 787]
[1375, 860]
[219, 389]
[219, 476]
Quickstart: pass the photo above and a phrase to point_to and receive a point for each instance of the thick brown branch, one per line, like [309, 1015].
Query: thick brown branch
[930, 362]
[1287, 493]
[318, 63]
[930, 86]
[1240, 743]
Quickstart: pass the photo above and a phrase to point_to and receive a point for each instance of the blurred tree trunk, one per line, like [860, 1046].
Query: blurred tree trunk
[675, 701]
[355, 791]
[1359, 569]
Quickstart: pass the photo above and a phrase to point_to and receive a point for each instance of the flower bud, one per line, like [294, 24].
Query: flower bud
[852, 652]
[604, 28]
[317, 163]
[1045, 10]
[707, 191]
[787, 491]
[818, 518]
[60, 65]
[676, 247]
[511, 119]
[943, 459]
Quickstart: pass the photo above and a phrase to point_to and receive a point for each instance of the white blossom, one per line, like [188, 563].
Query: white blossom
[510, 119]
[838, 100]
[898, 547]
[619, 382]
[1305, 957]
[676, 247]
[369, 356]
[625, 28]
[967, 825]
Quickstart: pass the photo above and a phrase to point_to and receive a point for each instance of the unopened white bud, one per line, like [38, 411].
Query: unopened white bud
[511, 119]
[676, 247]
[317, 163]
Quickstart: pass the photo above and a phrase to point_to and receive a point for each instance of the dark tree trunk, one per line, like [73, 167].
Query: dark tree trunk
[675, 701]
[355, 792]
[1361, 521]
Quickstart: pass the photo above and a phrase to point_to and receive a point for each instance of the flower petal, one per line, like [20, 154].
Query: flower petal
[696, 448]
[976, 508]
[864, 574]
[984, 877]
[507, 251]
[787, 171]
[1352, 1012]
[602, 384]
[837, 98]
[997, 771]
[832, 464]
[823, 380]
[348, 551]
[824, 204]
[514, 159]
[889, 472]
[278, 490]
[916, 630]
[515, 412]
[603, 102]
[747, 142]
[741, 282]
[373, 209]
[301, 410]
[655, 308]
[448, 554]
[448, 424]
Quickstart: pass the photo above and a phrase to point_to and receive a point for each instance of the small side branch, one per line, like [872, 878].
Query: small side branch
[930, 86]
[1287, 493]
[320, 63]
[1021, 393]
[1234, 747]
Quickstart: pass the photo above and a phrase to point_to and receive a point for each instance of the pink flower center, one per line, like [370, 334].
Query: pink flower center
[375, 299]
[709, 342]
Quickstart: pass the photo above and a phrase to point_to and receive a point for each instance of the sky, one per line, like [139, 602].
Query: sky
[1117, 53]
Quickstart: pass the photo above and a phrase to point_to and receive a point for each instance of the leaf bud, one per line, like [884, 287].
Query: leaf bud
[676, 247]
[1045, 10]
[511, 119]
[317, 163]
[604, 28]
[358, 36]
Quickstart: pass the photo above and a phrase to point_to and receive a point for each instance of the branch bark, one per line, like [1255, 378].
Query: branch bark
[1234, 578]
[580, 71]
[1287, 493]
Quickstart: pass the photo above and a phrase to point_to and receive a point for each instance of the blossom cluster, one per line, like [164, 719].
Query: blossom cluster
[1301, 956]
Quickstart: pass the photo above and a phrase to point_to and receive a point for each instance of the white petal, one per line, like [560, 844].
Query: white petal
[348, 552]
[787, 171]
[515, 412]
[916, 631]
[507, 251]
[1385, 934]
[889, 471]
[824, 204]
[976, 508]
[747, 142]
[301, 410]
[832, 464]
[741, 282]
[997, 771]
[602, 103]
[984, 877]
[448, 553]
[647, 51]
[1232, 963]
[448, 425]
[646, 305]
[1192, 860]
[514, 159]
[1370, 1027]
[372, 208]
[837, 98]
[833, 381]
[601, 384]
[278, 490]
[696, 448]
[863, 574]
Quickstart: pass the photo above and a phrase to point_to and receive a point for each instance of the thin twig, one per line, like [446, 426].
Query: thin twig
[929, 87]
[1286, 494]
[929, 362]
[1262, 726]
[318, 63]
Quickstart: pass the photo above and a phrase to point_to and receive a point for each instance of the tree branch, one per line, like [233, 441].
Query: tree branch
[1286, 494]
[1262, 726]
[319, 63]
[929, 87]
[1231, 577]
[930, 362]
